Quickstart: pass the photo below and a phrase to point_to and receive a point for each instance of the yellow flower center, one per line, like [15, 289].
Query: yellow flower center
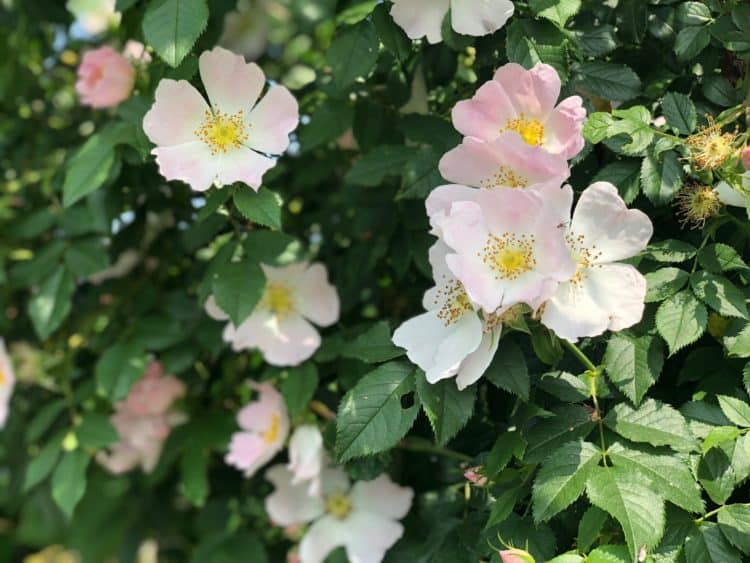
[509, 255]
[272, 432]
[222, 132]
[504, 178]
[3, 377]
[710, 147]
[455, 302]
[531, 130]
[338, 505]
[277, 299]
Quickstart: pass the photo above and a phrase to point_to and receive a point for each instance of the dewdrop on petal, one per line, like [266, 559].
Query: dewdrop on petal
[709, 147]
[696, 204]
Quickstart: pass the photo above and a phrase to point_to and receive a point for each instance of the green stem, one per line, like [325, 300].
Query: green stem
[417, 445]
[709, 514]
[583, 358]
[695, 261]
[669, 136]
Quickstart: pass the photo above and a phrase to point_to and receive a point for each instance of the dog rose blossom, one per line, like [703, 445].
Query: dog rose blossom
[264, 425]
[363, 518]
[523, 102]
[105, 78]
[307, 457]
[227, 141]
[424, 18]
[281, 326]
[144, 421]
[603, 294]
[509, 246]
[7, 383]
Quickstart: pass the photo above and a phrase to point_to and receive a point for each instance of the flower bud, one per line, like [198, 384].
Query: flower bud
[745, 157]
[516, 556]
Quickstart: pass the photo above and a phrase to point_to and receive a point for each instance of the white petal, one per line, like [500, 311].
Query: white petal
[572, 313]
[288, 340]
[213, 310]
[177, 113]
[420, 18]
[290, 504]
[730, 196]
[316, 298]
[307, 457]
[7, 383]
[321, 538]
[232, 84]
[480, 17]
[191, 163]
[383, 497]
[272, 120]
[370, 536]
[243, 165]
[476, 363]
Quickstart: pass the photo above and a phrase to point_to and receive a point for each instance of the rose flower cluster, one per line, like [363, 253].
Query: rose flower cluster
[507, 244]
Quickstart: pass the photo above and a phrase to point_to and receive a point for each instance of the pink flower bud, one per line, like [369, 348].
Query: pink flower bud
[516, 556]
[474, 476]
[745, 155]
[105, 78]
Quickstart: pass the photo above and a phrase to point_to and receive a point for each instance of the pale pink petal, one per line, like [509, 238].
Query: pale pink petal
[610, 230]
[191, 163]
[440, 200]
[322, 537]
[290, 275]
[420, 18]
[307, 457]
[257, 415]
[272, 120]
[232, 84]
[105, 78]
[533, 92]
[484, 115]
[316, 298]
[369, 536]
[213, 310]
[121, 458]
[383, 497]
[504, 162]
[476, 363]
[243, 165]
[472, 17]
[248, 452]
[290, 504]
[572, 313]
[250, 332]
[288, 340]
[563, 129]
[176, 115]
[622, 290]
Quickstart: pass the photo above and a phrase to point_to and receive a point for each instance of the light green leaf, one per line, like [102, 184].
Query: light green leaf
[556, 11]
[172, 27]
[736, 410]
[43, 463]
[720, 257]
[681, 320]
[447, 408]
[664, 283]
[502, 506]
[590, 526]
[69, 480]
[680, 112]
[654, 423]
[237, 288]
[719, 293]
[708, 545]
[632, 502]
[669, 474]
[737, 339]
[373, 346]
[661, 177]
[562, 478]
[353, 54]
[51, 304]
[371, 417]
[670, 251]
[118, 368]
[734, 522]
[262, 207]
[718, 435]
[194, 474]
[634, 122]
[633, 363]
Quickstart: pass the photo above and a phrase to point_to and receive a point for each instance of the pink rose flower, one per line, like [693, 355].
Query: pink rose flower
[144, 421]
[228, 140]
[523, 102]
[264, 425]
[105, 78]
[603, 294]
[281, 326]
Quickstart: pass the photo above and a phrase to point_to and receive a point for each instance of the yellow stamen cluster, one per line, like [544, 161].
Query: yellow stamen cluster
[696, 204]
[709, 147]
[455, 302]
[277, 299]
[222, 132]
[585, 256]
[505, 178]
[509, 255]
[272, 432]
[338, 505]
[531, 130]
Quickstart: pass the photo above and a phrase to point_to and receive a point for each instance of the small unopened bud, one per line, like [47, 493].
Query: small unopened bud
[745, 156]
[516, 556]
[475, 476]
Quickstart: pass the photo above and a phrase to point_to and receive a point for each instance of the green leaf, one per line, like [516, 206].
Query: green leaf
[299, 388]
[661, 177]
[373, 346]
[681, 320]
[43, 419]
[680, 112]
[69, 480]
[720, 257]
[719, 293]
[630, 501]
[664, 283]
[715, 472]
[194, 474]
[718, 435]
[690, 42]
[118, 368]
[519, 47]
[610, 554]
[88, 169]
[237, 288]
[562, 478]
[634, 122]
[736, 410]
[508, 370]
[569, 423]
[502, 506]
[391, 35]
[633, 363]
[262, 207]
[590, 526]
[172, 27]
[708, 545]
[371, 417]
[420, 174]
[609, 80]
[43, 463]
[96, 431]
[693, 13]
[625, 175]
[734, 522]
[376, 165]
[447, 408]
[507, 445]
[353, 54]
[670, 251]
[556, 11]
[331, 120]
[51, 304]
[669, 474]
[86, 257]
[654, 423]
[737, 339]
